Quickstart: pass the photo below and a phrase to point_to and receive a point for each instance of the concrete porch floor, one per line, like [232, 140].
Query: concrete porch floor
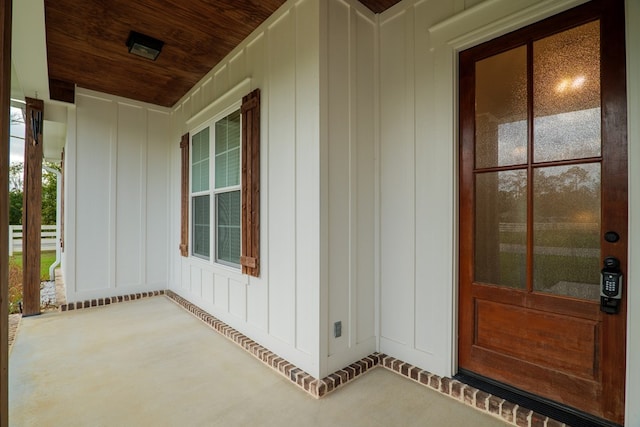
[149, 362]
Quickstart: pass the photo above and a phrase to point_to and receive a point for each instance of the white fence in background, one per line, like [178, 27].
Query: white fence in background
[47, 243]
[521, 227]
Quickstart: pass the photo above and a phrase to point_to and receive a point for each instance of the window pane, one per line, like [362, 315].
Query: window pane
[228, 151]
[201, 226]
[566, 234]
[566, 97]
[233, 159]
[501, 228]
[221, 135]
[228, 226]
[221, 170]
[200, 161]
[501, 109]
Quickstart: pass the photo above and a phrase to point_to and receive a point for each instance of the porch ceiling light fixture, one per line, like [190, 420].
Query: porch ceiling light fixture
[144, 46]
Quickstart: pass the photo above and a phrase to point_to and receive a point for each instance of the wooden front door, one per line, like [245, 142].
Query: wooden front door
[543, 203]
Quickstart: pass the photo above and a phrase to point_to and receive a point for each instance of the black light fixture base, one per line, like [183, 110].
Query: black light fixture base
[144, 46]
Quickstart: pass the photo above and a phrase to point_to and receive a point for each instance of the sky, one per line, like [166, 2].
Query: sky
[16, 145]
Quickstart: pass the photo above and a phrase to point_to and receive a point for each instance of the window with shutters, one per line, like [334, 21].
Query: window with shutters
[224, 188]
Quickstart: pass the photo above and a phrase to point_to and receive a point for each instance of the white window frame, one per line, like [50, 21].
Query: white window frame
[212, 192]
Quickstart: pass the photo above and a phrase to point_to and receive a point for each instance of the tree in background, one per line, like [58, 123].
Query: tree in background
[15, 207]
[49, 193]
[16, 176]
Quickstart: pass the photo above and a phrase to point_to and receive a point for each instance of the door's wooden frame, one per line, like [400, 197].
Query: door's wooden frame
[614, 112]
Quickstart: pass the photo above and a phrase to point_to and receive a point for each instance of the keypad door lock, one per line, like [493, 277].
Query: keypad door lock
[610, 286]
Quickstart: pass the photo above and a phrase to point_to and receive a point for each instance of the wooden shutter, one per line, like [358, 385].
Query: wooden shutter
[250, 255]
[184, 196]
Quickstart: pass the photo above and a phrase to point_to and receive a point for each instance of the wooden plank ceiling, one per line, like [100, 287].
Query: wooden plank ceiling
[86, 43]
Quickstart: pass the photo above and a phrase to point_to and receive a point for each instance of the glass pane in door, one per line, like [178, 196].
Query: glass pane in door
[501, 109]
[566, 230]
[566, 95]
[501, 228]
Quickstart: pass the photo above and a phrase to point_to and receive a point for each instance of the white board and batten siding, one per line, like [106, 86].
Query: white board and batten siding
[116, 182]
[317, 186]
[349, 185]
[280, 308]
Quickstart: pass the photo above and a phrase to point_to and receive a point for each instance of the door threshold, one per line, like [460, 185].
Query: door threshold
[570, 416]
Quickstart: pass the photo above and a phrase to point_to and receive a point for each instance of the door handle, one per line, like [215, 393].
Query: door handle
[610, 286]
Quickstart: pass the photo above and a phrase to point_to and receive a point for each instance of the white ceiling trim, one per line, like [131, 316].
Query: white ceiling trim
[29, 48]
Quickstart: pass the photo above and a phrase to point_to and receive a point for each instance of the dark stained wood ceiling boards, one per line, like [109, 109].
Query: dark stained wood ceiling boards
[379, 6]
[86, 42]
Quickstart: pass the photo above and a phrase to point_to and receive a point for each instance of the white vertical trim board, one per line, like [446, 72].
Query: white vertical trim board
[632, 408]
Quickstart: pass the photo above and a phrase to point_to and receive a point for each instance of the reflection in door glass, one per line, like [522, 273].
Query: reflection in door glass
[566, 94]
[566, 230]
[501, 228]
[501, 109]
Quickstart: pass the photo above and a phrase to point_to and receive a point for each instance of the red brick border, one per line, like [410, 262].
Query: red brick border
[98, 302]
[470, 396]
[318, 388]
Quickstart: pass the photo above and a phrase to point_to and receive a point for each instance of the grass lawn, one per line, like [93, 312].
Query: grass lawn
[46, 259]
[15, 276]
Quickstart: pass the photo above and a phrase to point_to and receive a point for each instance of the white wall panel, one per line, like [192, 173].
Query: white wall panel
[207, 90]
[282, 215]
[340, 182]
[157, 205]
[434, 238]
[307, 178]
[196, 281]
[221, 292]
[237, 68]
[185, 277]
[397, 212]
[118, 164]
[238, 299]
[130, 172]
[208, 288]
[197, 100]
[350, 149]
[220, 82]
[364, 200]
[93, 195]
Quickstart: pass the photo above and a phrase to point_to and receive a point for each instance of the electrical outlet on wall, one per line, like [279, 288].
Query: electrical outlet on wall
[337, 329]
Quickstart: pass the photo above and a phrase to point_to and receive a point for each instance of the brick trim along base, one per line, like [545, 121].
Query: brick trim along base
[464, 393]
[512, 413]
[98, 302]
